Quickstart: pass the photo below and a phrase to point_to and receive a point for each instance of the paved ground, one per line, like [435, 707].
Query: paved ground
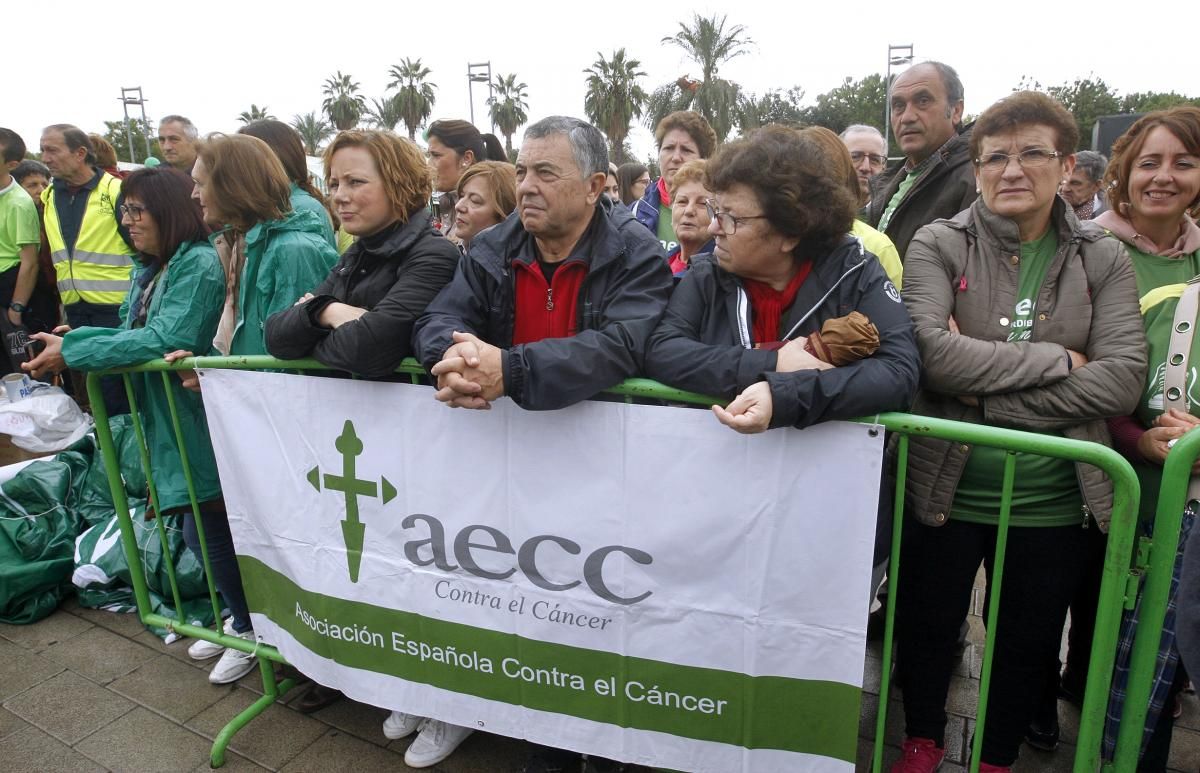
[85, 690]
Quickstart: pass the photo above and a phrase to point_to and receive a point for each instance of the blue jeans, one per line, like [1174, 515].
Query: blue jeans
[222, 559]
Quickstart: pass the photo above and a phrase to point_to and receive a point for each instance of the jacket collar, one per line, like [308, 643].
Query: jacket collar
[401, 238]
[980, 221]
[497, 246]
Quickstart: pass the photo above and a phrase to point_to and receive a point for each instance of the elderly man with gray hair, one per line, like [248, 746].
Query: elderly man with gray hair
[554, 304]
[868, 152]
[177, 138]
[1083, 189]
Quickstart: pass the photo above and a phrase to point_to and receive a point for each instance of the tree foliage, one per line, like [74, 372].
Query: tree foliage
[343, 104]
[383, 113]
[708, 43]
[1086, 98]
[774, 106]
[414, 97]
[313, 131]
[507, 107]
[255, 113]
[614, 98]
[854, 101]
[114, 132]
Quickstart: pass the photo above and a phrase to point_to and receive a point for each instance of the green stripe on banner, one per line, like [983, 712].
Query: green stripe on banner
[757, 712]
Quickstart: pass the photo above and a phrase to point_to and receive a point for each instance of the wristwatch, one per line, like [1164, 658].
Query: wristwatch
[18, 307]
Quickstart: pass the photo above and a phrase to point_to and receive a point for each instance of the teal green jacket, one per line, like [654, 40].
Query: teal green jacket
[302, 200]
[285, 259]
[183, 314]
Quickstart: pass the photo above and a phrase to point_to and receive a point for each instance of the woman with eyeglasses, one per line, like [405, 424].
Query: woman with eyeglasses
[752, 321]
[632, 180]
[1153, 187]
[1026, 318]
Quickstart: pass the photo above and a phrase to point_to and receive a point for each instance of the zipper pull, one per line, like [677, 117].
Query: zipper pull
[1087, 514]
[549, 299]
[962, 283]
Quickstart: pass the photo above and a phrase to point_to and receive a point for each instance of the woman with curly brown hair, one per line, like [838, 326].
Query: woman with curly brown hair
[1026, 318]
[742, 322]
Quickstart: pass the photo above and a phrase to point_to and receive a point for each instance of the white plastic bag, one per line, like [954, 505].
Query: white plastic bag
[48, 420]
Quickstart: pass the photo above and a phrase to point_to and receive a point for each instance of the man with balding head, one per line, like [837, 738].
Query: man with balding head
[936, 178]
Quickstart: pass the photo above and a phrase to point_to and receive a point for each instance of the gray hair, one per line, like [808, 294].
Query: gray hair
[1092, 164]
[74, 138]
[189, 129]
[861, 128]
[587, 143]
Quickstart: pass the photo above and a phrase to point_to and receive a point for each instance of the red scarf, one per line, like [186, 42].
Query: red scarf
[663, 195]
[768, 304]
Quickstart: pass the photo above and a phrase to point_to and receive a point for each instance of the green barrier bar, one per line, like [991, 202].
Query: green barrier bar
[994, 581]
[1116, 579]
[1163, 546]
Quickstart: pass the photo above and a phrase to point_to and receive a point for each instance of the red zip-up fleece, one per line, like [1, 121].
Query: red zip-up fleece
[544, 309]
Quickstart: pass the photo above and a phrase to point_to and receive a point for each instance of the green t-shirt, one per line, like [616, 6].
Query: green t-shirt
[666, 232]
[901, 192]
[19, 224]
[1045, 490]
[1160, 282]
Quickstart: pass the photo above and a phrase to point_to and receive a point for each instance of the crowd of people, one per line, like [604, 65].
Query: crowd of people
[1043, 289]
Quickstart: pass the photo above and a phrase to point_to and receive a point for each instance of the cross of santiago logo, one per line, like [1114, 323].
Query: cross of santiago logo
[350, 446]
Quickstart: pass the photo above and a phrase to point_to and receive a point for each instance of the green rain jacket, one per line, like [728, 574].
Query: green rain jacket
[183, 314]
[284, 259]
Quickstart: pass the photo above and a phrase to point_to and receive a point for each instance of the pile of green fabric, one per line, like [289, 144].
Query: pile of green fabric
[59, 531]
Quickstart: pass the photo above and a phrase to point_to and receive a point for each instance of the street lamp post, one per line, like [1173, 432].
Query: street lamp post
[480, 72]
[897, 55]
[132, 95]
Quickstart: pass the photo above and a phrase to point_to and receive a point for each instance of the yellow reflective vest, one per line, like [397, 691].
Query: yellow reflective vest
[98, 269]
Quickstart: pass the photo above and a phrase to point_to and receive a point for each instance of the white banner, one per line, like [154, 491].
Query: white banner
[631, 581]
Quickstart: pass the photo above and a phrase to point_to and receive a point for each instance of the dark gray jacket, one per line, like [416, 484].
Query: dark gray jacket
[944, 190]
[699, 344]
[968, 268]
[620, 302]
[393, 277]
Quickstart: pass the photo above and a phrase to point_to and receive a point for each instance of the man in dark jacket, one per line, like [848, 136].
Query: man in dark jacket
[554, 304]
[936, 179]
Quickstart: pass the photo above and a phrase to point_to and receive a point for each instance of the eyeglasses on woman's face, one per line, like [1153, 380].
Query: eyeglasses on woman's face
[728, 223]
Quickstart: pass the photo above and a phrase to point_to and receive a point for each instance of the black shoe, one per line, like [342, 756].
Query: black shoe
[318, 697]
[1070, 689]
[876, 622]
[1043, 731]
[544, 759]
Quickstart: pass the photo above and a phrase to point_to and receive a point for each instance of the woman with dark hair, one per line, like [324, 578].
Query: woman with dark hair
[1153, 185]
[173, 303]
[455, 145]
[288, 146]
[632, 180]
[681, 137]
[1026, 318]
[747, 322]
[487, 194]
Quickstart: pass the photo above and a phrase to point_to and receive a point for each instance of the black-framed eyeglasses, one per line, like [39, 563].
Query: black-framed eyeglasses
[1027, 159]
[876, 160]
[132, 211]
[727, 222]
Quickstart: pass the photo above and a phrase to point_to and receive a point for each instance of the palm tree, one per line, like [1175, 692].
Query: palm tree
[343, 104]
[384, 113]
[507, 107]
[255, 113]
[710, 45]
[614, 97]
[313, 131]
[414, 96]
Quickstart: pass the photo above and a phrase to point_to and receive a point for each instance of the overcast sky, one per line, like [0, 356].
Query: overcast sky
[210, 60]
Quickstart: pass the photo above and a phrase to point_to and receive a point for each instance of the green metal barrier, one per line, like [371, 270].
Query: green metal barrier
[1119, 581]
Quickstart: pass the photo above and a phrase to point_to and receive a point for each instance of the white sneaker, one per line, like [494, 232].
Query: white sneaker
[203, 650]
[436, 741]
[234, 664]
[401, 725]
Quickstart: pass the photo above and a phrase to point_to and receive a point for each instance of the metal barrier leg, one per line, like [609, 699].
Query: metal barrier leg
[271, 692]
